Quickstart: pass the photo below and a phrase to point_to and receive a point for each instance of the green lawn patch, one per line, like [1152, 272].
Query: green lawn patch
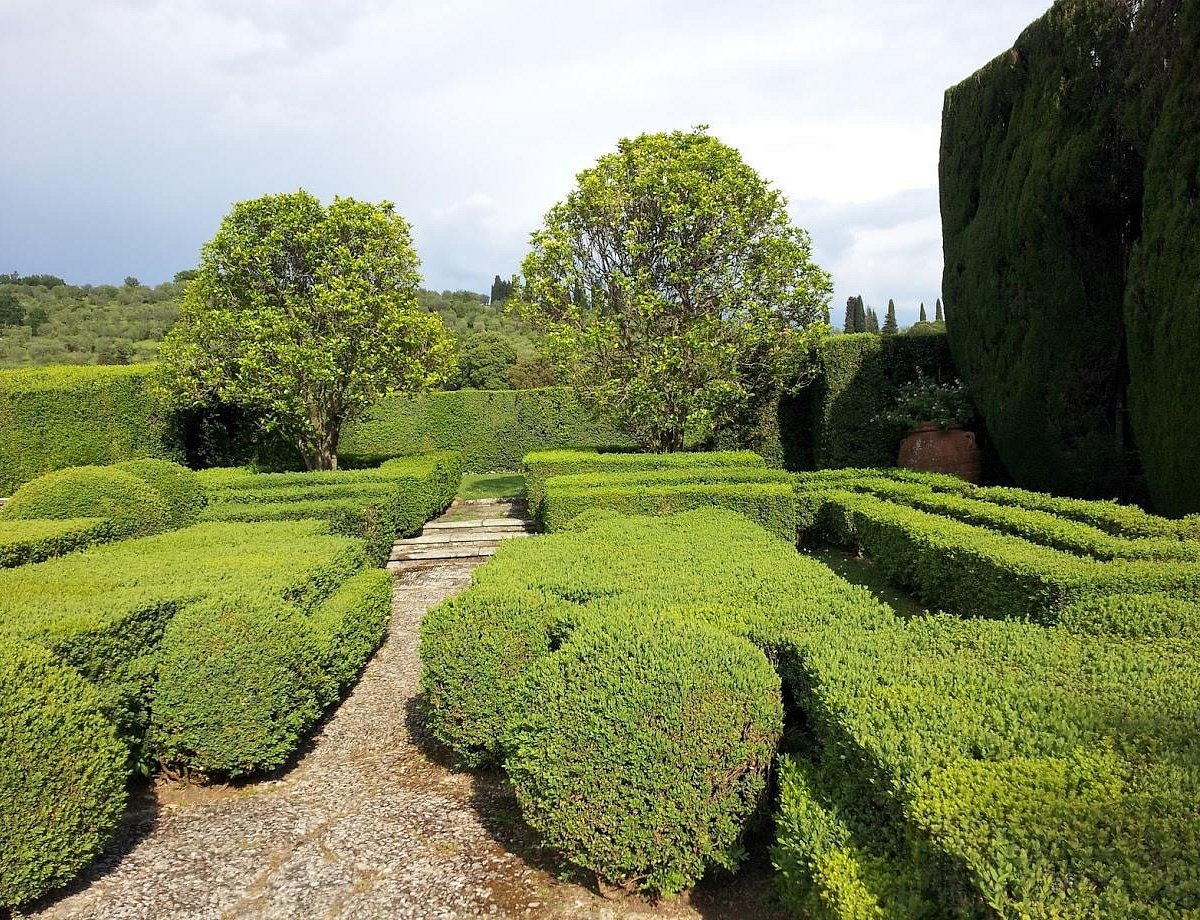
[492, 485]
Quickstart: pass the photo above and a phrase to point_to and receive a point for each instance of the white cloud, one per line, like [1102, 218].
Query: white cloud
[137, 122]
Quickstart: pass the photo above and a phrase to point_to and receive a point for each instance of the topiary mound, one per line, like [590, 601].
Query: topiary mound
[179, 487]
[135, 508]
[642, 749]
[62, 773]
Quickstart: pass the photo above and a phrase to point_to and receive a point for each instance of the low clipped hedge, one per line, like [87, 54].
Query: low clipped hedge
[1034, 525]
[553, 622]
[491, 429]
[210, 649]
[769, 504]
[671, 695]
[62, 773]
[377, 505]
[542, 465]
[133, 507]
[180, 487]
[977, 572]
[23, 542]
[56, 417]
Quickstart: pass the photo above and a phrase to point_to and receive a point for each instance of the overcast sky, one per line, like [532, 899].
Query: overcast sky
[130, 126]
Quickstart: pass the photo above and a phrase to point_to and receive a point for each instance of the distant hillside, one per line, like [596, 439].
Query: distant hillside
[107, 324]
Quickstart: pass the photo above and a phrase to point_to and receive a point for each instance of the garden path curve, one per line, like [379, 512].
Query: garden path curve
[372, 821]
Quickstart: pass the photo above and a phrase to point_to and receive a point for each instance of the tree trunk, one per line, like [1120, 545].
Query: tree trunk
[319, 450]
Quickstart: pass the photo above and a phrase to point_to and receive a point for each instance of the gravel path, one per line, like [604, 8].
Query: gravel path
[372, 821]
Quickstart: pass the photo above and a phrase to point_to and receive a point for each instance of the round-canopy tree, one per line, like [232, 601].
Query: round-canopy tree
[670, 284]
[306, 314]
[484, 359]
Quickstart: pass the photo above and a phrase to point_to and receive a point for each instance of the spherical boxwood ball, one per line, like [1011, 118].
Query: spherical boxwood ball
[62, 774]
[179, 487]
[642, 749]
[135, 508]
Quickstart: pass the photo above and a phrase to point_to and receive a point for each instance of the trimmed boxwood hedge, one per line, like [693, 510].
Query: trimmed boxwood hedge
[23, 542]
[211, 649]
[62, 773]
[492, 429]
[55, 417]
[128, 502]
[180, 487]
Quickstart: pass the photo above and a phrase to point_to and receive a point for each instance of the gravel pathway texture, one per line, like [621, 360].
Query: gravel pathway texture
[373, 820]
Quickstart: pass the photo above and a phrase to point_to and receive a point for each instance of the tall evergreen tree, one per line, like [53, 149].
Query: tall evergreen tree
[890, 326]
[860, 314]
[872, 321]
[848, 323]
[924, 317]
[939, 316]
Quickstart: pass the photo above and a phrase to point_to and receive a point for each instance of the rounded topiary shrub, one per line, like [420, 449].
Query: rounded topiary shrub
[643, 748]
[62, 773]
[238, 686]
[180, 488]
[475, 650]
[135, 508]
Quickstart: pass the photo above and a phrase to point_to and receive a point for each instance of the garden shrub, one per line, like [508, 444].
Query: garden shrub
[348, 627]
[1036, 204]
[978, 572]
[23, 542]
[1036, 526]
[237, 685]
[610, 720]
[55, 417]
[1134, 616]
[377, 505]
[179, 487]
[542, 465]
[769, 504]
[62, 774]
[492, 429]
[133, 507]
[669, 476]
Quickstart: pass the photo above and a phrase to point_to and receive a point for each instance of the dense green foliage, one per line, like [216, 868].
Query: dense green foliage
[58, 417]
[23, 542]
[376, 505]
[713, 707]
[492, 430]
[562, 613]
[62, 773]
[484, 360]
[167, 629]
[672, 288]
[132, 506]
[307, 315]
[179, 487]
[1035, 181]
[540, 466]
[1162, 301]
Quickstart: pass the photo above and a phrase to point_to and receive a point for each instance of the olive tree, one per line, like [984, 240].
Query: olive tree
[305, 314]
[671, 286]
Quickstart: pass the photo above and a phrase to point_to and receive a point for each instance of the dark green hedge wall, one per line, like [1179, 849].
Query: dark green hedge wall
[57, 417]
[1162, 304]
[493, 429]
[832, 422]
[1036, 211]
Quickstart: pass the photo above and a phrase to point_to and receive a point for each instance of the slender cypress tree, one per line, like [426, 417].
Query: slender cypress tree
[848, 324]
[860, 315]
[890, 326]
[872, 321]
[924, 317]
[938, 316]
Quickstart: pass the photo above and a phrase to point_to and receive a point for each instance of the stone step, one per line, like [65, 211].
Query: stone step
[444, 552]
[466, 536]
[482, 524]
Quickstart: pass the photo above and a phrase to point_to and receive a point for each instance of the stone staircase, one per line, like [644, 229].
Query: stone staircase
[468, 530]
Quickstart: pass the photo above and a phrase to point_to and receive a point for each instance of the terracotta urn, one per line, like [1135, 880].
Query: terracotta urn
[935, 450]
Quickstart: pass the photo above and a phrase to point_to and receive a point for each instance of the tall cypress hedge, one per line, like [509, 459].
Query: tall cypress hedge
[1036, 206]
[1162, 304]
[57, 417]
[1071, 207]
